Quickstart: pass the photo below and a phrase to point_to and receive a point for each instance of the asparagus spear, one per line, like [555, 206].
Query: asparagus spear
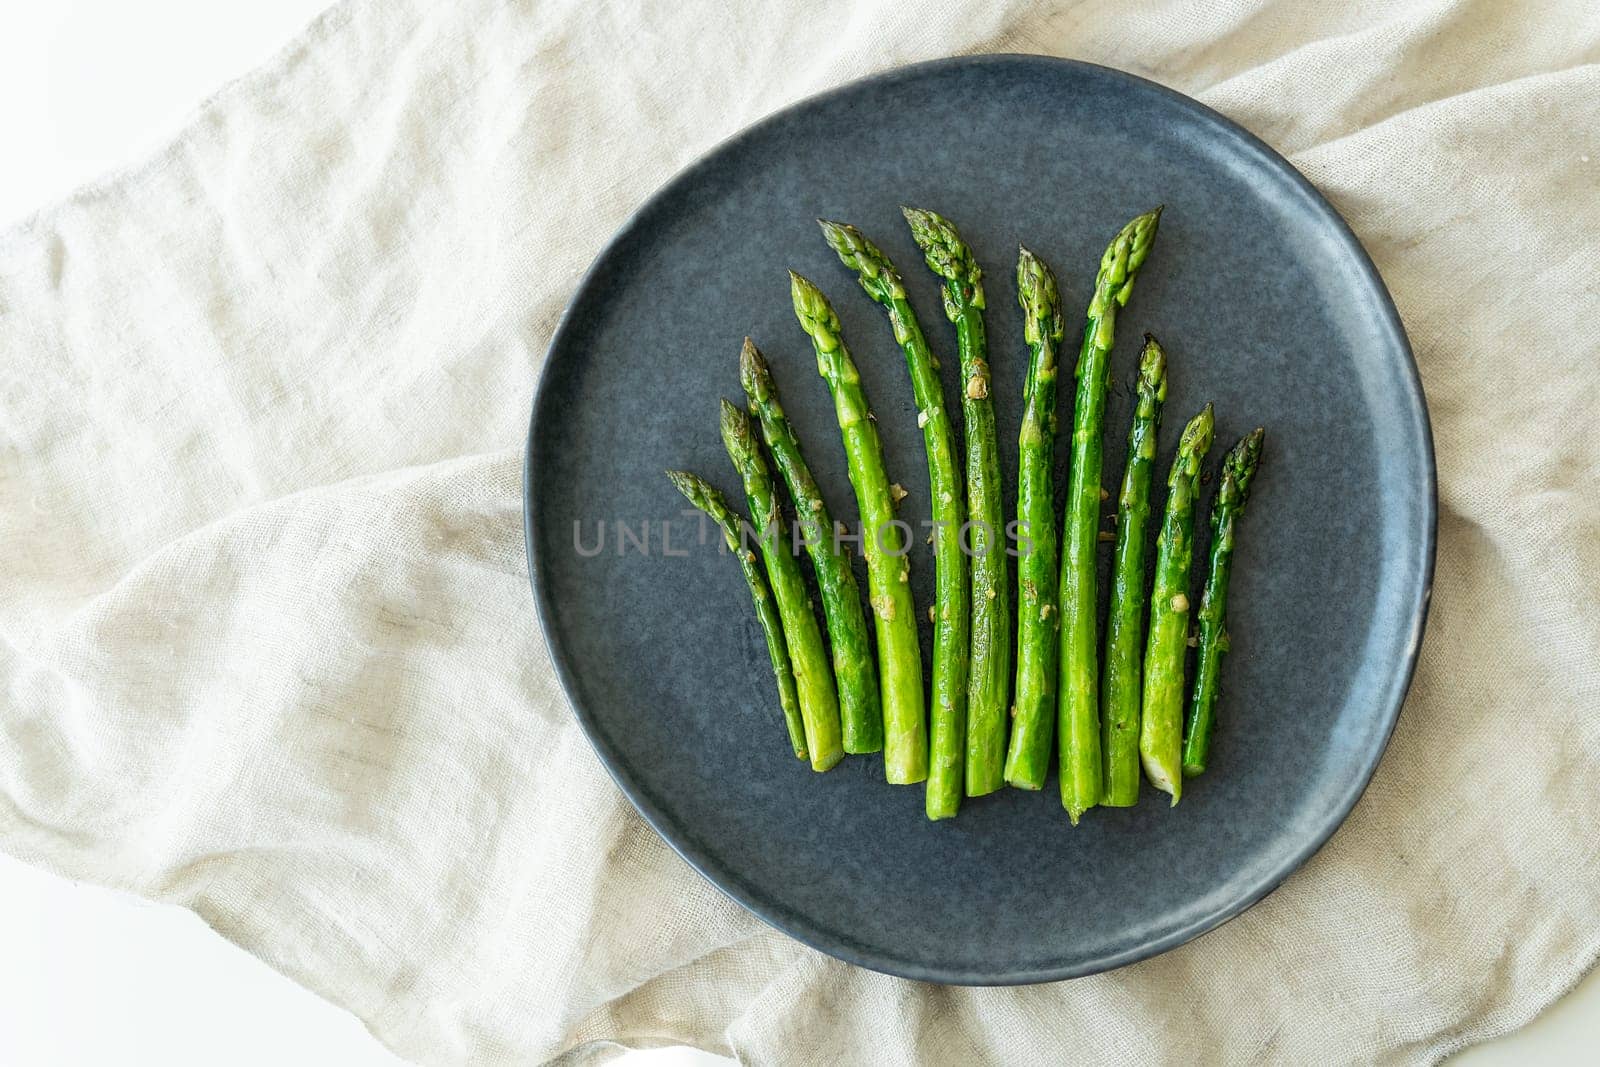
[1125, 617]
[989, 669]
[708, 500]
[813, 678]
[1034, 713]
[859, 708]
[1238, 470]
[1080, 529]
[1161, 727]
[947, 734]
[905, 731]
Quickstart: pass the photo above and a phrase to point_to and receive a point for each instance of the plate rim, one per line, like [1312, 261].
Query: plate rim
[732, 885]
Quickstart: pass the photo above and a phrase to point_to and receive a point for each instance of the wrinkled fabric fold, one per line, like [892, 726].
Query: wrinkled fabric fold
[267, 648]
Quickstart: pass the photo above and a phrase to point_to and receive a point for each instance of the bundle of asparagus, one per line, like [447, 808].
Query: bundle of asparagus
[1105, 718]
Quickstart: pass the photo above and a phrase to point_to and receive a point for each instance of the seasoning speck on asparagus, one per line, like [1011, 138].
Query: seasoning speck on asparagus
[1079, 727]
[1238, 471]
[905, 731]
[1121, 691]
[1033, 722]
[819, 707]
[860, 709]
[1161, 726]
[707, 499]
[989, 665]
[947, 730]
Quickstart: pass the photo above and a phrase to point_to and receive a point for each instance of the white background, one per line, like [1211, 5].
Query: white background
[88, 976]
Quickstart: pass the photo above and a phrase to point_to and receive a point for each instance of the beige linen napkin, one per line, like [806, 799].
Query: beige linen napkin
[267, 648]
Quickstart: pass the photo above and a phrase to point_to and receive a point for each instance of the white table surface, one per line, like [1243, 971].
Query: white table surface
[90, 976]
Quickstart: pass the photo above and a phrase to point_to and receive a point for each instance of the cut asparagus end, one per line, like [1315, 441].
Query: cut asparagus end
[1159, 778]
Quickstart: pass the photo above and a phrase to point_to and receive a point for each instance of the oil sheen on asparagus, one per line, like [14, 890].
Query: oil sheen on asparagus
[1238, 471]
[1161, 728]
[905, 732]
[1079, 726]
[860, 712]
[1121, 690]
[708, 500]
[989, 665]
[813, 677]
[947, 728]
[1033, 721]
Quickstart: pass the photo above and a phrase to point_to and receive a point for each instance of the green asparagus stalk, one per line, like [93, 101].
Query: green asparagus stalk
[1161, 726]
[1238, 471]
[1079, 727]
[708, 500]
[905, 731]
[859, 708]
[948, 730]
[1119, 717]
[989, 666]
[819, 709]
[1033, 722]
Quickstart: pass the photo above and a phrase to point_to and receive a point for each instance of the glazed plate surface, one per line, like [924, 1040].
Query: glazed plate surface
[1267, 306]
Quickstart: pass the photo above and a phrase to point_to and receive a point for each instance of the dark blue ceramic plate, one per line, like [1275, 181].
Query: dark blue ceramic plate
[1267, 306]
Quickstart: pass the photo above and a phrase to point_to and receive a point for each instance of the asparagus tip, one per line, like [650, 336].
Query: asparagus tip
[1193, 445]
[810, 306]
[802, 289]
[1123, 257]
[1143, 233]
[927, 226]
[1153, 368]
[754, 374]
[948, 256]
[874, 270]
[837, 234]
[1039, 298]
[1239, 465]
[735, 423]
[697, 490]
